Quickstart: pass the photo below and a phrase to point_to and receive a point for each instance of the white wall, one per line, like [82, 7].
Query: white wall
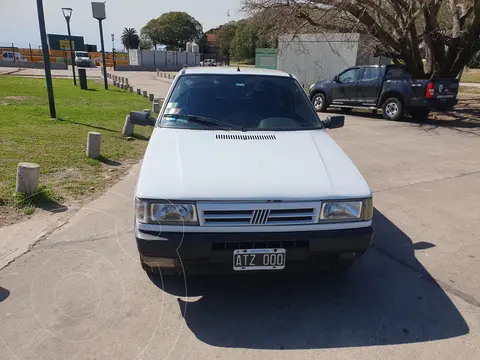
[313, 57]
[163, 60]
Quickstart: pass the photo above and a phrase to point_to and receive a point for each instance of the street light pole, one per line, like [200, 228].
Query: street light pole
[113, 51]
[67, 13]
[46, 58]
[98, 11]
[105, 81]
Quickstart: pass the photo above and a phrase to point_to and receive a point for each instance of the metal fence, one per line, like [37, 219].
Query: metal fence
[9, 52]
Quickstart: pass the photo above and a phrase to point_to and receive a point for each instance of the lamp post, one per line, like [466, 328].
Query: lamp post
[46, 58]
[98, 11]
[67, 13]
[113, 51]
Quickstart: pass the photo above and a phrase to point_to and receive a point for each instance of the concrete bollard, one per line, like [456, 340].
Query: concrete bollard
[151, 97]
[139, 91]
[131, 88]
[126, 81]
[145, 93]
[27, 178]
[94, 140]
[115, 78]
[123, 80]
[127, 127]
[114, 83]
[122, 86]
[156, 106]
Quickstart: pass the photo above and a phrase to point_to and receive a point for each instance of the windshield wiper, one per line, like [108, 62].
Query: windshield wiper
[205, 121]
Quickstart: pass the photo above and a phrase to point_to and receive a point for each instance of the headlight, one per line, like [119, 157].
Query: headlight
[166, 213]
[311, 87]
[347, 210]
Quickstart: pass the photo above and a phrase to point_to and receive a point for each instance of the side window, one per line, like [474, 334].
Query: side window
[370, 74]
[397, 73]
[348, 76]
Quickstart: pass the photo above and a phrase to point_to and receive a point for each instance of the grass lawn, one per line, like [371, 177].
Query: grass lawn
[469, 90]
[28, 134]
[471, 76]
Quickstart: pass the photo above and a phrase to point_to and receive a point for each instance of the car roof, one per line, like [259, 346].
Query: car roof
[232, 70]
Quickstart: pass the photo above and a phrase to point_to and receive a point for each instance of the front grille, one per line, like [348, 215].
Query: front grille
[258, 214]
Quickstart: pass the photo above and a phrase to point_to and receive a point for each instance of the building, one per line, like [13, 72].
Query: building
[313, 57]
[60, 42]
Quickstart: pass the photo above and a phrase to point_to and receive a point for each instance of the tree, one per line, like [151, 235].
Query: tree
[151, 32]
[130, 38]
[145, 42]
[225, 35]
[173, 29]
[250, 34]
[446, 30]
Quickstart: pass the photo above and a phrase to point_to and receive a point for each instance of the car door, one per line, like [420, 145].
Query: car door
[369, 86]
[343, 93]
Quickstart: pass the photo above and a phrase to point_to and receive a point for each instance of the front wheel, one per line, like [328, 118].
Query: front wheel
[392, 109]
[319, 102]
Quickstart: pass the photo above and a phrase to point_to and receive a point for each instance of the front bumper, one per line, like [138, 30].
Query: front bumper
[302, 247]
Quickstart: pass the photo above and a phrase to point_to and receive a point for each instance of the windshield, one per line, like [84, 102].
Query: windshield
[82, 54]
[246, 102]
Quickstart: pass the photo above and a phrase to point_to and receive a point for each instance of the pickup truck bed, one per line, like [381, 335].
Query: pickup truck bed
[389, 88]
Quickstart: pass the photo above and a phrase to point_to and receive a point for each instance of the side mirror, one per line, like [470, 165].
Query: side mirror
[334, 122]
[141, 118]
[335, 79]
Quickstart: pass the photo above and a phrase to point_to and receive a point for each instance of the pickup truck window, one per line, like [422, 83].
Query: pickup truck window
[370, 74]
[247, 102]
[397, 73]
[349, 76]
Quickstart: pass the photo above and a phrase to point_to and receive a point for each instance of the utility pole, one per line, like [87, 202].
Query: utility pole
[46, 58]
[98, 10]
[67, 13]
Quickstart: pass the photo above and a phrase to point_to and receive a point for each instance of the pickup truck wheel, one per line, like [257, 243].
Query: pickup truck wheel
[419, 115]
[392, 109]
[319, 102]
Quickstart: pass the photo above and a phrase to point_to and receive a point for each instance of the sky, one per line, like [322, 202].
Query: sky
[19, 19]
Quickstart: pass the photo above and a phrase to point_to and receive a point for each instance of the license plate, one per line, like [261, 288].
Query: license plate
[259, 259]
[445, 96]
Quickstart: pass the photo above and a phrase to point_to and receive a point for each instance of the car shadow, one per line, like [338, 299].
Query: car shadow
[4, 293]
[464, 116]
[388, 297]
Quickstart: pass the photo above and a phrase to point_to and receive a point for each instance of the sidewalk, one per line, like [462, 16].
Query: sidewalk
[145, 80]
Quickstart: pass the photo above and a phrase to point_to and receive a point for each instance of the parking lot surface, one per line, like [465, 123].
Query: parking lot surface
[80, 293]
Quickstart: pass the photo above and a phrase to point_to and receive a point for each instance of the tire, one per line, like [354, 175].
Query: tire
[392, 109]
[319, 102]
[419, 115]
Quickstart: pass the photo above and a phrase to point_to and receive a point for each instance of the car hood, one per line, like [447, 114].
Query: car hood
[182, 164]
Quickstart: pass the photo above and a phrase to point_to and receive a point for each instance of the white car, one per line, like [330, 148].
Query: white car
[240, 175]
[82, 59]
[208, 62]
[10, 56]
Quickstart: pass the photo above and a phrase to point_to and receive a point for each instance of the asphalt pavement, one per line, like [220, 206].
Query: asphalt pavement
[79, 292]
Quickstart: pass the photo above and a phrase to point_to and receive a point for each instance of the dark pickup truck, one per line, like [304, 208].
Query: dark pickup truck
[390, 88]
